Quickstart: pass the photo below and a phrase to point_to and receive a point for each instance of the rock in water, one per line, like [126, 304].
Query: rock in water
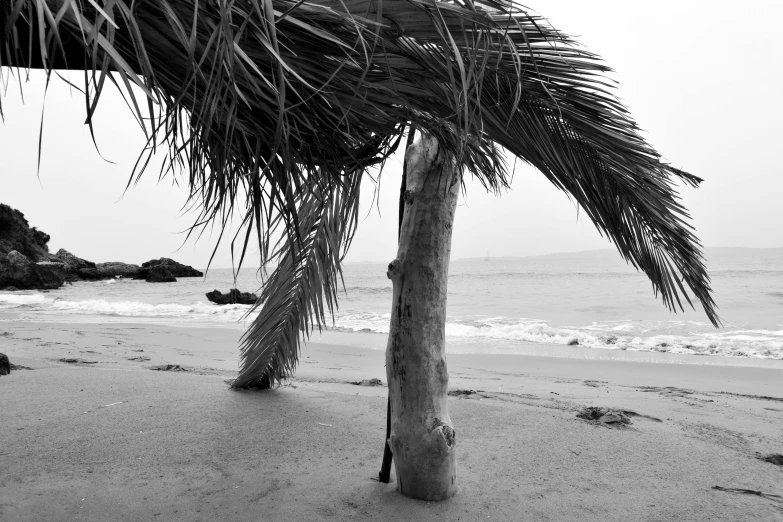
[5, 364]
[176, 269]
[114, 269]
[159, 274]
[71, 260]
[234, 296]
[110, 270]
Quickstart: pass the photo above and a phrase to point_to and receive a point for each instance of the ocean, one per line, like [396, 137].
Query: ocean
[495, 305]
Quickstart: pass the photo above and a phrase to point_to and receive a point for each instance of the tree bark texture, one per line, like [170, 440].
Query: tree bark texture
[422, 437]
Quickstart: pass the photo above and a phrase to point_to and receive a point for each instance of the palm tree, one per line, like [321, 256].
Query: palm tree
[276, 109]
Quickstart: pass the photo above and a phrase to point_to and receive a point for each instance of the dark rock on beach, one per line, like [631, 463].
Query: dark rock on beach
[159, 274]
[5, 364]
[18, 271]
[176, 269]
[234, 296]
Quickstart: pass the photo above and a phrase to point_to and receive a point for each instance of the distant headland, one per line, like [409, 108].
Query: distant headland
[27, 264]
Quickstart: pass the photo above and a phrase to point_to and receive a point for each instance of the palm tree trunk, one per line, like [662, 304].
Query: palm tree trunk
[422, 437]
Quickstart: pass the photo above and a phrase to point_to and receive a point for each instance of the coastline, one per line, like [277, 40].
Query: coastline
[107, 437]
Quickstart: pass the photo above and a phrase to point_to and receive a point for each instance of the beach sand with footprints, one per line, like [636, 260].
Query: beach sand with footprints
[136, 422]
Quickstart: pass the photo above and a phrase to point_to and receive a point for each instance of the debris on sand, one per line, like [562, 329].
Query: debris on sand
[168, 368]
[74, 360]
[757, 493]
[670, 391]
[468, 393]
[368, 382]
[139, 358]
[775, 458]
[606, 416]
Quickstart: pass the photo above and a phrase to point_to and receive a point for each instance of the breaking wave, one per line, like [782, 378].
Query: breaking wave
[196, 312]
[680, 337]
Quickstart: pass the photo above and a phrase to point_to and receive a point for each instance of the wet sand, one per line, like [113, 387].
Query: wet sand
[106, 437]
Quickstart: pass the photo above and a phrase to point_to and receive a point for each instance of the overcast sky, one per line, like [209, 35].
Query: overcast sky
[702, 78]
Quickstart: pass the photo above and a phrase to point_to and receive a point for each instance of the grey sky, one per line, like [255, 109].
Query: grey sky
[701, 78]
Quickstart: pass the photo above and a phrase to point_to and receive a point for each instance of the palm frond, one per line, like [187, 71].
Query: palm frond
[257, 99]
[302, 288]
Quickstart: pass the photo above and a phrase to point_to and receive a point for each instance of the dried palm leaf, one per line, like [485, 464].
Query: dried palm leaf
[280, 104]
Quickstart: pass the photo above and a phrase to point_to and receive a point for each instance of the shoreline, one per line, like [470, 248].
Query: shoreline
[377, 342]
[343, 357]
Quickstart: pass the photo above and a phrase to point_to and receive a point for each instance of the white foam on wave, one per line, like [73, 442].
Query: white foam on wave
[615, 335]
[195, 312]
[15, 300]
[683, 337]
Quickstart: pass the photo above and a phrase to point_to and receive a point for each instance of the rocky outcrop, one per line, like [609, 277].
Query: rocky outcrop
[176, 269]
[16, 234]
[5, 364]
[109, 270]
[72, 261]
[25, 261]
[16, 270]
[60, 269]
[159, 274]
[117, 269]
[234, 296]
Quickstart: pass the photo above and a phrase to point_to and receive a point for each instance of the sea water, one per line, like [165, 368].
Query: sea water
[495, 305]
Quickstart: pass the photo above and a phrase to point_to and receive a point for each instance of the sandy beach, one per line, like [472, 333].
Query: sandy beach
[106, 437]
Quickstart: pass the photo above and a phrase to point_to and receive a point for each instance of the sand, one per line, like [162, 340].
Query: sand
[108, 438]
